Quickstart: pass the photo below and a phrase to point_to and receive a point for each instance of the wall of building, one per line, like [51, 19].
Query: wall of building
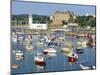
[60, 17]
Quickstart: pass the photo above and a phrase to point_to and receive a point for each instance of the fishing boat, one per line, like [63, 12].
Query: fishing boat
[15, 66]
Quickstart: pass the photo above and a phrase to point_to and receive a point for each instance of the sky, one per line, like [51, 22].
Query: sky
[49, 9]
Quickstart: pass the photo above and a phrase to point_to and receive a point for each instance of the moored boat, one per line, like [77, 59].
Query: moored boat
[29, 47]
[86, 67]
[79, 50]
[39, 62]
[19, 56]
[50, 52]
[66, 51]
[72, 59]
[15, 66]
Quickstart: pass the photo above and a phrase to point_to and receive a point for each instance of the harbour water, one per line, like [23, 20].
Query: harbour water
[55, 63]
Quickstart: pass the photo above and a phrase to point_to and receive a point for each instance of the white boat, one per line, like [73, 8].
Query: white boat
[83, 44]
[52, 54]
[39, 58]
[15, 66]
[86, 67]
[40, 44]
[13, 51]
[40, 67]
[18, 55]
[47, 39]
[16, 51]
[14, 39]
[50, 50]
[93, 67]
[20, 38]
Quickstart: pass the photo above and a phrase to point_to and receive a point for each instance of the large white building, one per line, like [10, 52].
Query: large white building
[36, 25]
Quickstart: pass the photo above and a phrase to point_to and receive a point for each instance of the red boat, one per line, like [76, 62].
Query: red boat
[40, 63]
[72, 59]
